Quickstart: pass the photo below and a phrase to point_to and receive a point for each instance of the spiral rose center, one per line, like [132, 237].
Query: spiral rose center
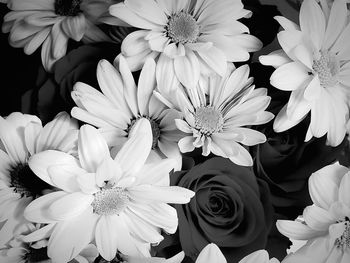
[182, 28]
[25, 182]
[67, 7]
[343, 242]
[110, 201]
[208, 120]
[327, 69]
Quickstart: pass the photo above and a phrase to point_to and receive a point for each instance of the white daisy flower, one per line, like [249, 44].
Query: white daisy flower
[22, 136]
[119, 203]
[326, 223]
[314, 64]
[191, 37]
[127, 259]
[19, 251]
[214, 121]
[212, 253]
[121, 104]
[51, 23]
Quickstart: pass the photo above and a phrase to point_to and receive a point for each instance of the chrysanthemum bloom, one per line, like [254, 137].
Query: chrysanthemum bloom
[314, 64]
[212, 253]
[326, 223]
[121, 104]
[127, 259]
[21, 137]
[193, 37]
[51, 23]
[119, 203]
[19, 251]
[214, 121]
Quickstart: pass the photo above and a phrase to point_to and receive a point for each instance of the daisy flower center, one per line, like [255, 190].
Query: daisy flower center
[155, 130]
[67, 7]
[110, 201]
[343, 242]
[182, 28]
[35, 255]
[327, 69]
[208, 120]
[25, 182]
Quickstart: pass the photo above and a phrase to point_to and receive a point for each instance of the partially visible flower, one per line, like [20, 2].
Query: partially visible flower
[287, 152]
[326, 223]
[19, 251]
[122, 103]
[189, 37]
[212, 253]
[51, 23]
[129, 259]
[314, 63]
[23, 136]
[52, 91]
[231, 208]
[119, 203]
[218, 122]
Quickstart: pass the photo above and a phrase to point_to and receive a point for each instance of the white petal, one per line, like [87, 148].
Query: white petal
[283, 122]
[65, 176]
[211, 253]
[92, 148]
[122, 12]
[74, 26]
[186, 144]
[31, 134]
[133, 154]
[286, 23]
[290, 76]
[275, 59]
[296, 230]
[146, 85]
[187, 69]
[156, 173]
[215, 59]
[106, 237]
[108, 170]
[70, 237]
[40, 162]
[38, 210]
[170, 194]
[312, 22]
[259, 256]
[344, 193]
[147, 9]
[70, 206]
[130, 92]
[317, 218]
[323, 185]
[134, 43]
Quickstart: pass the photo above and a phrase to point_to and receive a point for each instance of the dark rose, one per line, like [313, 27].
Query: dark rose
[285, 161]
[52, 92]
[231, 208]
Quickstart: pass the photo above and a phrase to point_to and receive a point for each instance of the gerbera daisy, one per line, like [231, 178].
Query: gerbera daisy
[23, 136]
[214, 121]
[51, 23]
[193, 36]
[325, 225]
[121, 104]
[119, 203]
[315, 65]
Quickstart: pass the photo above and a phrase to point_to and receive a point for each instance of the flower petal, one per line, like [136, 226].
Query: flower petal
[106, 237]
[92, 148]
[211, 253]
[133, 155]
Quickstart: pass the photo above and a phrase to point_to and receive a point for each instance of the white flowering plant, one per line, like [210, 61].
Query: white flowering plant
[191, 131]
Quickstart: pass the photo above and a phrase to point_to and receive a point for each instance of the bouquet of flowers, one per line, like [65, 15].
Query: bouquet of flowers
[176, 131]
